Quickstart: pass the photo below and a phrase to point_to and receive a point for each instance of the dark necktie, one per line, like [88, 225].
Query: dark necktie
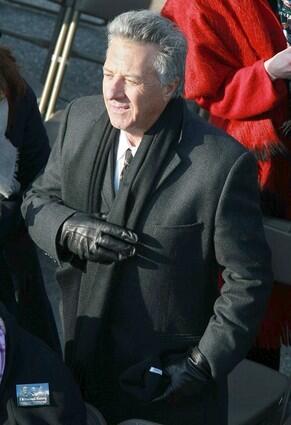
[127, 160]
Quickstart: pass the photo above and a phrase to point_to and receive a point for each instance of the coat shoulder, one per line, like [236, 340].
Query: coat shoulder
[87, 107]
[216, 143]
[25, 103]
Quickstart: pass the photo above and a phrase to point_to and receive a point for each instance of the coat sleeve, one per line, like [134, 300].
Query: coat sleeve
[30, 137]
[215, 77]
[242, 251]
[45, 195]
[34, 148]
[10, 218]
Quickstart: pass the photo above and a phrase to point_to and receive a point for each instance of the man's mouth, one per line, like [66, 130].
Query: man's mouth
[118, 107]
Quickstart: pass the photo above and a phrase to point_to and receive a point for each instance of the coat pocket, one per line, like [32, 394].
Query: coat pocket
[170, 265]
[170, 245]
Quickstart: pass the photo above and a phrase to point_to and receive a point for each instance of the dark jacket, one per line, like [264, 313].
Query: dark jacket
[202, 214]
[20, 274]
[30, 361]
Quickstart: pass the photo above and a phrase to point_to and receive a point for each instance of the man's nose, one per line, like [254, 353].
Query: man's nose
[116, 87]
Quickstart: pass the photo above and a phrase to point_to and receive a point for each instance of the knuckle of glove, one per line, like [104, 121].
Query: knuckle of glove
[128, 251]
[129, 236]
[120, 249]
[79, 243]
[103, 256]
[116, 231]
[124, 254]
[99, 240]
[79, 247]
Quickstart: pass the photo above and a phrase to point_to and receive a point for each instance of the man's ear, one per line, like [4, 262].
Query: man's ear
[170, 88]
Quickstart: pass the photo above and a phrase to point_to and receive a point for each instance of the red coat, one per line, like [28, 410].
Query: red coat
[228, 42]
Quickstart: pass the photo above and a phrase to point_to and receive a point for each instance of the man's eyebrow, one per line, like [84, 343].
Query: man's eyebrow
[133, 76]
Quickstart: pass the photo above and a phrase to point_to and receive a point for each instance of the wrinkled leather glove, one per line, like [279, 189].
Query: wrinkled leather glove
[189, 376]
[91, 238]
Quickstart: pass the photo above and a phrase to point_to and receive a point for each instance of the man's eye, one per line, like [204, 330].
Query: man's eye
[107, 75]
[132, 82]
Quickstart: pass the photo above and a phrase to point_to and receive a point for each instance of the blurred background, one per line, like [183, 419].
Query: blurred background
[28, 29]
[38, 19]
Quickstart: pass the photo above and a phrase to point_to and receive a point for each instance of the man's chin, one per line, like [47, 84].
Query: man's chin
[120, 125]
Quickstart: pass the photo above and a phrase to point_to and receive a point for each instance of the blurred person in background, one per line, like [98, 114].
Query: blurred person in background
[24, 150]
[237, 69]
[35, 386]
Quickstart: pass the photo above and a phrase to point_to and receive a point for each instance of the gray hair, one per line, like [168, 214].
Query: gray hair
[149, 27]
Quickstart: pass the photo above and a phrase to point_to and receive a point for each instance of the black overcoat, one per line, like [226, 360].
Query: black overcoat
[20, 274]
[202, 216]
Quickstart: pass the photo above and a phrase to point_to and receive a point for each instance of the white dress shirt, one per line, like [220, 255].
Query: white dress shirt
[123, 145]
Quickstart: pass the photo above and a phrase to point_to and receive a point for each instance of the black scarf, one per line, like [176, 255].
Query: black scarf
[99, 279]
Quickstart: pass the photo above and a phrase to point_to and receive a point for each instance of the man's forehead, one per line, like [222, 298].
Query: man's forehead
[132, 46]
[130, 57]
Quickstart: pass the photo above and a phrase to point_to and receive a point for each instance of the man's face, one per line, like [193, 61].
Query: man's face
[133, 94]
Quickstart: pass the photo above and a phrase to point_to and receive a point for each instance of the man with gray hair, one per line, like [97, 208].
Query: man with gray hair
[143, 204]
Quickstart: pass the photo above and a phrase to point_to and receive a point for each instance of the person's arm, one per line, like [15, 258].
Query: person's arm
[63, 232]
[279, 66]
[242, 251]
[10, 217]
[29, 134]
[215, 77]
[34, 148]
[43, 209]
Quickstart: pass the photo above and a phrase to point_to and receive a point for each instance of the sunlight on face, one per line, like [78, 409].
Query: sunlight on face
[133, 94]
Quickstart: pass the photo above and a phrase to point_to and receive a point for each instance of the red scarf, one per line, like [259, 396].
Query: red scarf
[228, 42]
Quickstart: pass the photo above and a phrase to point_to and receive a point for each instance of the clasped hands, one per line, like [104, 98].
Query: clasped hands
[91, 238]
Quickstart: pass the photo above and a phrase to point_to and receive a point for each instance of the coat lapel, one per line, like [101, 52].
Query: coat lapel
[180, 153]
[176, 158]
[174, 162]
[83, 159]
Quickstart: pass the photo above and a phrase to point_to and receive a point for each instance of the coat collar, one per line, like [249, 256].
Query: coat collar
[179, 155]
[187, 141]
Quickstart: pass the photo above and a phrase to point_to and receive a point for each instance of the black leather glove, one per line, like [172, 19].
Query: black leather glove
[189, 376]
[144, 380]
[93, 239]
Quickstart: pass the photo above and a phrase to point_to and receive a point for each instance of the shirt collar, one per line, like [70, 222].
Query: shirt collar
[123, 145]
